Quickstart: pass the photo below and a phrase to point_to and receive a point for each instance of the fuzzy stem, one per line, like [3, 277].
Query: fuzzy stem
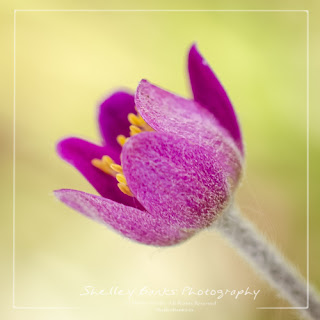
[268, 262]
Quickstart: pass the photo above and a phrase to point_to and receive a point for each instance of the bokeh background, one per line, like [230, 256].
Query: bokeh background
[66, 63]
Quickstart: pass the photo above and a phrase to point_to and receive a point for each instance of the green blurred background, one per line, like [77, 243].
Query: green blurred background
[66, 63]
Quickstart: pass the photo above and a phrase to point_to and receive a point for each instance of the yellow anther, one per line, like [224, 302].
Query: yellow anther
[116, 168]
[138, 121]
[108, 166]
[121, 139]
[125, 189]
[135, 120]
[134, 130]
[96, 163]
[102, 166]
[121, 178]
[107, 160]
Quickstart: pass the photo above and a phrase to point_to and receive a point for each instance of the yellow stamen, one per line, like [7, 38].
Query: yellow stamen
[136, 120]
[115, 167]
[134, 130]
[107, 160]
[108, 166]
[121, 178]
[121, 139]
[103, 166]
[125, 189]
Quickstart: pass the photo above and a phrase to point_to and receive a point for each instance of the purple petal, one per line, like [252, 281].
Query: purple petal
[113, 118]
[167, 112]
[79, 153]
[208, 91]
[183, 183]
[132, 223]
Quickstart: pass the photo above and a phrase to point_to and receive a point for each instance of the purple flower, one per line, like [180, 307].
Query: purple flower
[168, 166]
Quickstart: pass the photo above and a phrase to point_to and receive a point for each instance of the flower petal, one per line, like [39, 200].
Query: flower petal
[113, 117]
[183, 183]
[208, 91]
[167, 112]
[79, 153]
[132, 223]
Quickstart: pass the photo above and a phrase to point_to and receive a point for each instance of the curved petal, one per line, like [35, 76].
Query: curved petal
[167, 112]
[113, 118]
[79, 153]
[130, 222]
[183, 183]
[208, 91]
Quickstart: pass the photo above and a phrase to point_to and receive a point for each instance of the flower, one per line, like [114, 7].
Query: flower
[167, 167]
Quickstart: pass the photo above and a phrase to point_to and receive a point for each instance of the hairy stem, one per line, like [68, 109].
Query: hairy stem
[268, 262]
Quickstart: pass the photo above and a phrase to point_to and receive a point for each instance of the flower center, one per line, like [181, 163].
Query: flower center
[108, 166]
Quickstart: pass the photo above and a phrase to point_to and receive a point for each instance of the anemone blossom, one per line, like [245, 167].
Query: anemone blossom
[168, 167]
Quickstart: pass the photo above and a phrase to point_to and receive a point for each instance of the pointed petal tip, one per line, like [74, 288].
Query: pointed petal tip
[60, 193]
[142, 83]
[196, 58]
[194, 51]
[209, 92]
[57, 193]
[142, 88]
[193, 47]
[63, 195]
[63, 145]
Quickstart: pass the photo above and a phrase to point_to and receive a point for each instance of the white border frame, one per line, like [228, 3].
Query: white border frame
[14, 137]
